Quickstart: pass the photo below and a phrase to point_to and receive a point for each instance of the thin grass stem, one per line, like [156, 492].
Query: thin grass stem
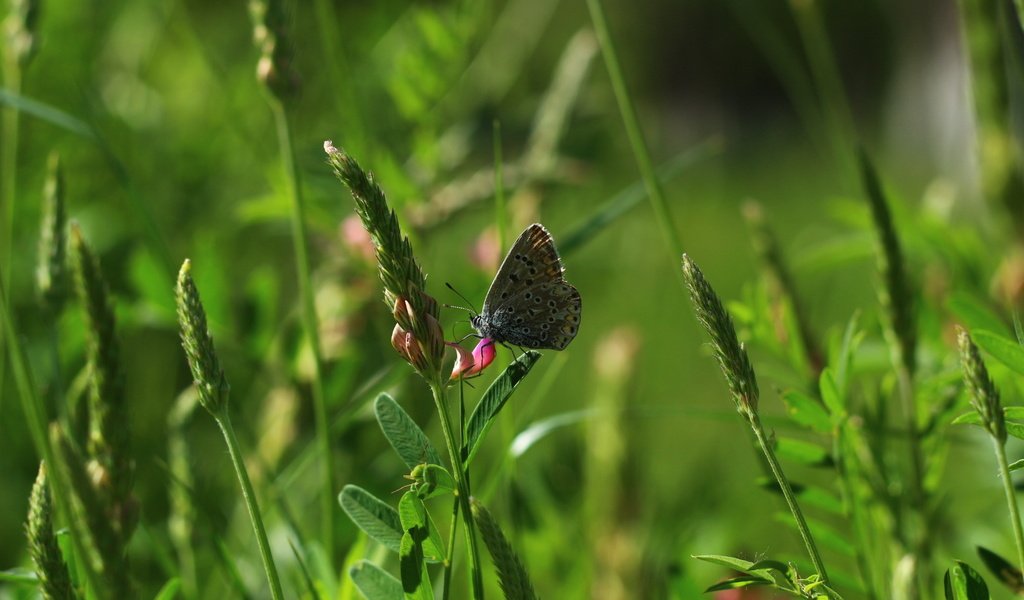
[8, 189]
[787, 492]
[450, 554]
[224, 422]
[1011, 499]
[636, 137]
[310, 323]
[500, 210]
[35, 415]
[440, 394]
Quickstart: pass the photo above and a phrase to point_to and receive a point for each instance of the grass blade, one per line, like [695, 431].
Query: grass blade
[494, 399]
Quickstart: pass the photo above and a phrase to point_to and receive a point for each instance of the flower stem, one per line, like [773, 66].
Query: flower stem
[311, 325]
[634, 133]
[224, 422]
[451, 549]
[1011, 499]
[462, 485]
[787, 492]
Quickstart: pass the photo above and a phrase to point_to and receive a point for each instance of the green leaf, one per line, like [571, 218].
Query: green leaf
[1012, 413]
[537, 431]
[20, 576]
[377, 519]
[807, 453]
[414, 515]
[738, 582]
[822, 499]
[408, 440]
[1003, 349]
[415, 543]
[431, 481]
[844, 357]
[807, 411]
[1017, 465]
[964, 583]
[737, 564]
[633, 195]
[374, 583]
[494, 399]
[170, 590]
[830, 394]
[1004, 570]
[974, 313]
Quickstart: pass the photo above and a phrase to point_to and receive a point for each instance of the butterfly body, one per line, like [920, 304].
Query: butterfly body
[529, 303]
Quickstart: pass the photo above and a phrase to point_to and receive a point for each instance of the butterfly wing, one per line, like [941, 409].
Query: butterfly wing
[530, 304]
[533, 258]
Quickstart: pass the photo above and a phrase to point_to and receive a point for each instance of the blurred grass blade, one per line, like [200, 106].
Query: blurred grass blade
[540, 429]
[1003, 349]
[48, 113]
[404, 435]
[1004, 570]
[743, 581]
[964, 583]
[628, 198]
[494, 399]
[19, 576]
[169, 591]
[231, 573]
[306, 577]
[374, 583]
[377, 519]
[413, 514]
[807, 411]
[974, 314]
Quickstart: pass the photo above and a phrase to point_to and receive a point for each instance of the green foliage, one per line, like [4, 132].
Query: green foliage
[494, 400]
[408, 440]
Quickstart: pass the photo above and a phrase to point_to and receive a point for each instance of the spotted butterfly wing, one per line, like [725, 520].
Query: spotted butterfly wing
[529, 303]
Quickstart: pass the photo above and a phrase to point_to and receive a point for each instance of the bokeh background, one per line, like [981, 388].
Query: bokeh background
[170, 151]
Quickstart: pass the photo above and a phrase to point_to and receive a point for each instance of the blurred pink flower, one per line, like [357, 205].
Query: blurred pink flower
[355, 238]
[472, 364]
[485, 253]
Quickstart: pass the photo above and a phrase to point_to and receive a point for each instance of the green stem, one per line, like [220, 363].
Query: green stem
[310, 323]
[8, 188]
[1011, 499]
[501, 213]
[35, 415]
[452, 531]
[835, 108]
[921, 543]
[462, 485]
[635, 134]
[224, 422]
[787, 492]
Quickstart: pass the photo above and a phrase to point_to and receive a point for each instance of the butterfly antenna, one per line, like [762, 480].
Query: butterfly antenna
[465, 299]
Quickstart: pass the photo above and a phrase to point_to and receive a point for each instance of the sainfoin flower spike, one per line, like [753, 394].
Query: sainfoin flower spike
[470, 364]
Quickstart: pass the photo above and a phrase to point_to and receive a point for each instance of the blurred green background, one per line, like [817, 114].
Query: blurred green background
[170, 152]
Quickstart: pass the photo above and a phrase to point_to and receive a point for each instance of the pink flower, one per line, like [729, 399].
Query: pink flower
[356, 239]
[470, 365]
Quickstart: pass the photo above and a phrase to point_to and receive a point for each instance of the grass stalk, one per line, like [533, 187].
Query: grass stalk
[310, 323]
[224, 422]
[633, 131]
[500, 210]
[35, 416]
[439, 391]
[1011, 498]
[8, 188]
[787, 492]
[450, 553]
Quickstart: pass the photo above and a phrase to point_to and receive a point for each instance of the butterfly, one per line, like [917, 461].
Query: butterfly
[530, 304]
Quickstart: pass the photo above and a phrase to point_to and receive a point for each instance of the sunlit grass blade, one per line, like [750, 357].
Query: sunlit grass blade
[494, 399]
[405, 436]
[628, 198]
